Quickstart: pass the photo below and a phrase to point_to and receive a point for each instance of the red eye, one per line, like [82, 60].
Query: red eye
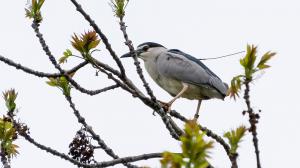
[145, 48]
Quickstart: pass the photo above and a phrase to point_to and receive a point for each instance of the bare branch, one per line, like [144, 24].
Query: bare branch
[37, 73]
[174, 130]
[128, 159]
[253, 119]
[123, 160]
[52, 151]
[55, 75]
[45, 47]
[110, 76]
[136, 61]
[209, 133]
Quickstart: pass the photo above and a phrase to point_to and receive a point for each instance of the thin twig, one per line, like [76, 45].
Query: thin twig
[137, 63]
[175, 131]
[128, 159]
[37, 73]
[35, 26]
[113, 162]
[253, 119]
[55, 75]
[95, 92]
[110, 76]
[52, 151]
[96, 137]
[102, 36]
[123, 75]
[81, 120]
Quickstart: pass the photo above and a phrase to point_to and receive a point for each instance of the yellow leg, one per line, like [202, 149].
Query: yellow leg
[184, 88]
[196, 116]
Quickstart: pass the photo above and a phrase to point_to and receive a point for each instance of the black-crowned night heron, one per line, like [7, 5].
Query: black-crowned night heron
[180, 74]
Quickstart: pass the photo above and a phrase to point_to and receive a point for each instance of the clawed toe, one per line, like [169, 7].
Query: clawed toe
[166, 106]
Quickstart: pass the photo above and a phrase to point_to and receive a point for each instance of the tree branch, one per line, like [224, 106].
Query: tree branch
[123, 75]
[128, 159]
[113, 162]
[102, 36]
[55, 75]
[37, 73]
[81, 120]
[174, 130]
[156, 106]
[96, 137]
[253, 119]
[136, 61]
[209, 133]
[50, 150]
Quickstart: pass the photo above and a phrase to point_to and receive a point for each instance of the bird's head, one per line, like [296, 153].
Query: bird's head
[146, 50]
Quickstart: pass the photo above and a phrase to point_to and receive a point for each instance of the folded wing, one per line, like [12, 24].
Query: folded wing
[181, 66]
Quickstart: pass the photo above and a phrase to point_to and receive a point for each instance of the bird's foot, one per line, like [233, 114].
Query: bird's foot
[165, 106]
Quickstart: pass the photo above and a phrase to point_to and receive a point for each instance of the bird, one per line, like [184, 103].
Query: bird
[180, 74]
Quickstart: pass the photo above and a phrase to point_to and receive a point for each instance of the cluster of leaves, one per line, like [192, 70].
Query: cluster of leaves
[7, 136]
[83, 43]
[118, 7]
[234, 137]
[66, 55]
[62, 83]
[34, 10]
[248, 63]
[80, 148]
[194, 149]
[7, 131]
[10, 97]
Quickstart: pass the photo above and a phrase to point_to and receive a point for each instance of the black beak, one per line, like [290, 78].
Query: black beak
[127, 55]
[131, 54]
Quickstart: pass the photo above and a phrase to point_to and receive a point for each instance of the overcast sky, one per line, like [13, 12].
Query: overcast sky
[200, 28]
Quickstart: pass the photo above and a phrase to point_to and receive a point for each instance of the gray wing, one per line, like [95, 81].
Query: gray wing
[181, 66]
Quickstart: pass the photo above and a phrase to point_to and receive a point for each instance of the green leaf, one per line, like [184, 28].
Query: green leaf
[85, 42]
[248, 63]
[171, 160]
[119, 7]
[234, 137]
[62, 83]
[11, 149]
[235, 86]
[10, 97]
[66, 55]
[34, 10]
[93, 44]
[249, 60]
[7, 135]
[195, 149]
[52, 82]
[264, 59]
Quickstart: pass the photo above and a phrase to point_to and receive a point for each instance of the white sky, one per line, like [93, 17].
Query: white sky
[201, 28]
